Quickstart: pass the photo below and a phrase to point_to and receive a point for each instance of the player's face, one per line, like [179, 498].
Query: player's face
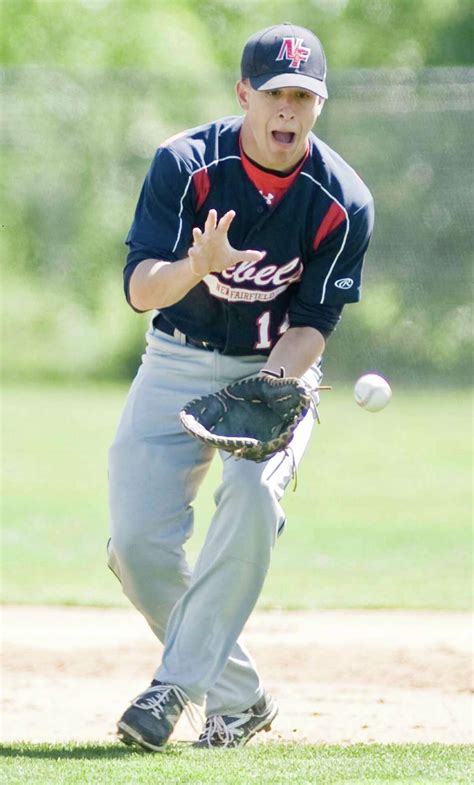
[277, 124]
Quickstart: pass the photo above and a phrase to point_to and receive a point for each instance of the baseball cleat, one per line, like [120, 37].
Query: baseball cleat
[150, 719]
[235, 730]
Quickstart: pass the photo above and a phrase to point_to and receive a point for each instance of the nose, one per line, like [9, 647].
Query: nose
[286, 108]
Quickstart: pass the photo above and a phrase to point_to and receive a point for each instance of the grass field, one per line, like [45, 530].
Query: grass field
[264, 765]
[380, 518]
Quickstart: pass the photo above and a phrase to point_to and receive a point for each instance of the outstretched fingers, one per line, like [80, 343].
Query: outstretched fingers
[211, 221]
[197, 235]
[212, 243]
[226, 221]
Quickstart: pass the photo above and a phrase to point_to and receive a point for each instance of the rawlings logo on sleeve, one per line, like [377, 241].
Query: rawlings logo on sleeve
[344, 283]
[266, 282]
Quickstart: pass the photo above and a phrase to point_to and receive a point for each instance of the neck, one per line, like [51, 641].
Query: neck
[269, 170]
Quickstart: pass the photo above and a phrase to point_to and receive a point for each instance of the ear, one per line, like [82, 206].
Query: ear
[242, 91]
[320, 105]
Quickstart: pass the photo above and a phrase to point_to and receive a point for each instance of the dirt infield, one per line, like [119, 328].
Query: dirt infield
[339, 676]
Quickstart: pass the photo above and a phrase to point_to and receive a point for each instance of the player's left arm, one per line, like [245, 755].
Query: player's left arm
[296, 351]
[331, 278]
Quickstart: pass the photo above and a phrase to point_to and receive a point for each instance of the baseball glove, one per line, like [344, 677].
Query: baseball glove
[253, 418]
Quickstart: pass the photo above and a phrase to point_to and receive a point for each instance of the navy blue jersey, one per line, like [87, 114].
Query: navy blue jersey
[315, 237]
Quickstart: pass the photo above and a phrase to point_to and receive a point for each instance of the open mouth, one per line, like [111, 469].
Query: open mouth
[283, 137]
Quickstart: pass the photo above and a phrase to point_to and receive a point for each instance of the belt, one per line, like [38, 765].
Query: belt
[164, 326]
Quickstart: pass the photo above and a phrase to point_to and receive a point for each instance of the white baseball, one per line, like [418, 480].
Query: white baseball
[372, 392]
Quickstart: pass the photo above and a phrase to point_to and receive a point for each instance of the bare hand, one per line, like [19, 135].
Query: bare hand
[211, 251]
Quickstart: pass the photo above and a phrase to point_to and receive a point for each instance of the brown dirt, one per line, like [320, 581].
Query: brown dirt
[339, 676]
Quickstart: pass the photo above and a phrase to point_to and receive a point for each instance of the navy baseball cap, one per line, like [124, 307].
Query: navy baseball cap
[285, 56]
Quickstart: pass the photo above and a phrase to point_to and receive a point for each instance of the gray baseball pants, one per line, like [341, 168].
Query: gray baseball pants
[155, 469]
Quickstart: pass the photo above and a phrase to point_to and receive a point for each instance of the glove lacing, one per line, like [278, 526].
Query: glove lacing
[294, 469]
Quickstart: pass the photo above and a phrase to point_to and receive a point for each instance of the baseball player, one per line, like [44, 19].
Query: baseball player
[248, 239]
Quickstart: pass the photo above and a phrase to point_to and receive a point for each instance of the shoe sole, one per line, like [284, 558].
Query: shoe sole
[265, 725]
[132, 738]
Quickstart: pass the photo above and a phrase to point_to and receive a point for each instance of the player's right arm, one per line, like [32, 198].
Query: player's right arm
[158, 284]
[168, 253]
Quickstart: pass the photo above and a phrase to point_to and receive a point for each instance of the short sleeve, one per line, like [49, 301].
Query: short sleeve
[333, 274]
[162, 226]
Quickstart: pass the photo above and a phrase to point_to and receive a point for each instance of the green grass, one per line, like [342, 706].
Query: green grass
[270, 764]
[380, 518]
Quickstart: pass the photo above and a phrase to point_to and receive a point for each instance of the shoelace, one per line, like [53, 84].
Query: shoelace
[161, 694]
[216, 726]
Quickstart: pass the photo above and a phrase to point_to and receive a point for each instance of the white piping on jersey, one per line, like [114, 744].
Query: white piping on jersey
[201, 168]
[323, 295]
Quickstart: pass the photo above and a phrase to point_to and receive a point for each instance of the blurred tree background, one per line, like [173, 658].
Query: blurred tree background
[92, 87]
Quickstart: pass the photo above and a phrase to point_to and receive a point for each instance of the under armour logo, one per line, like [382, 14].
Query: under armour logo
[268, 198]
[292, 49]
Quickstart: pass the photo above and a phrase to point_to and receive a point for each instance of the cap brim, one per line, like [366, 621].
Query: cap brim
[275, 81]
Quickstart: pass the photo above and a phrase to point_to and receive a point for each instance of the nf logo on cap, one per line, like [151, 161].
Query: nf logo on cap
[291, 49]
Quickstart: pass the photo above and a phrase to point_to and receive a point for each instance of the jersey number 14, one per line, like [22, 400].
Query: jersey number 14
[263, 324]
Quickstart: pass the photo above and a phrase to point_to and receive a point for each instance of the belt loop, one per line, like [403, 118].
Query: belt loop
[179, 336]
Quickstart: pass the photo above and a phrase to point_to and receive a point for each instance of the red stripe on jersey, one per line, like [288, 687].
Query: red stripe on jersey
[334, 216]
[202, 186]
